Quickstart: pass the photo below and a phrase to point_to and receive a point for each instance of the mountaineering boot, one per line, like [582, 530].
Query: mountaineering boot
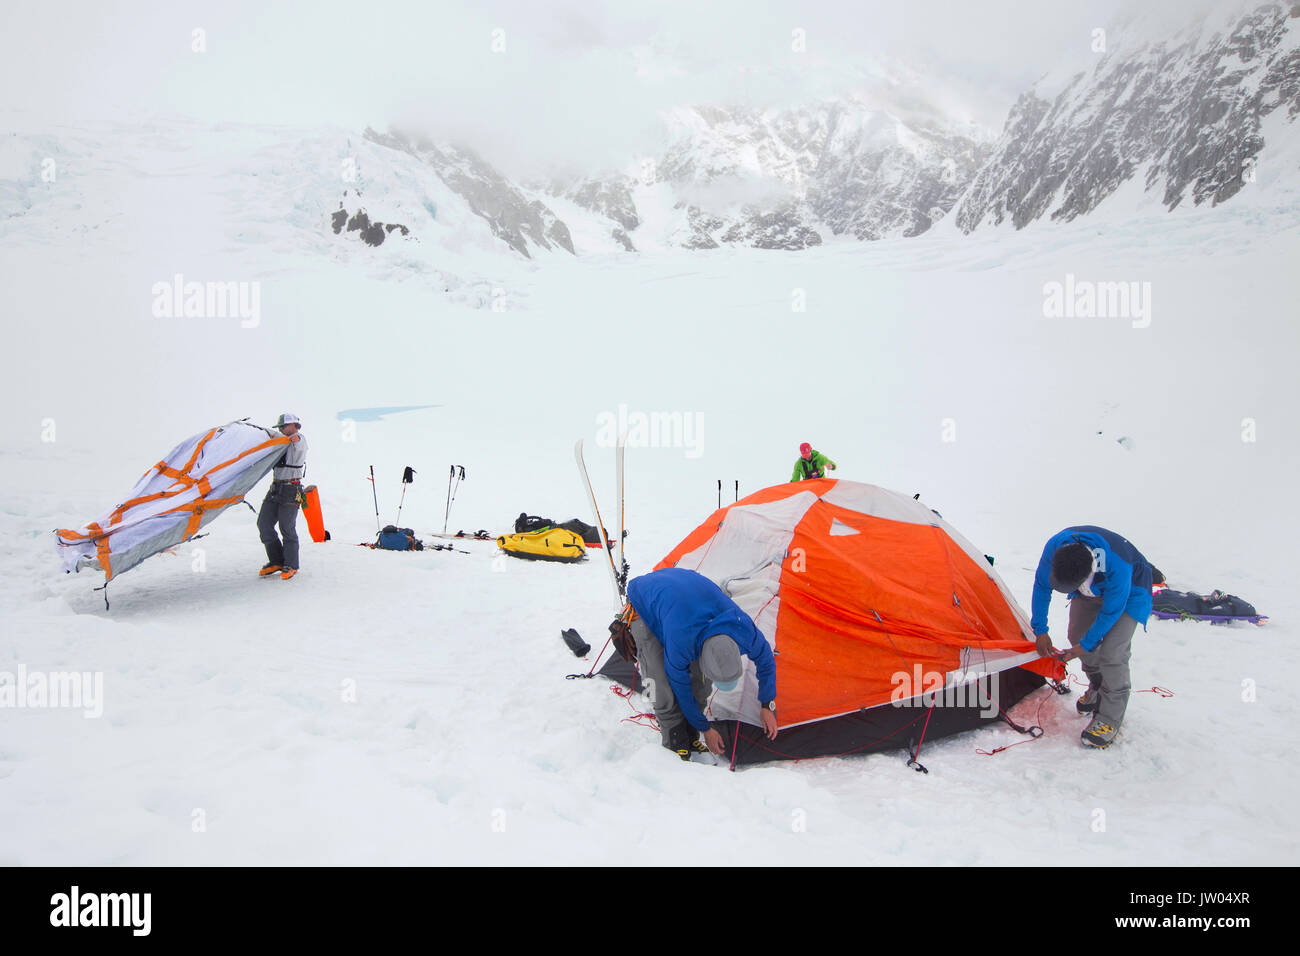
[679, 740]
[1087, 703]
[1099, 734]
[287, 573]
[694, 745]
[268, 570]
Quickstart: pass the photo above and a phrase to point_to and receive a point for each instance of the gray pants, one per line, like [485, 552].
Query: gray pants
[650, 661]
[1107, 666]
[280, 506]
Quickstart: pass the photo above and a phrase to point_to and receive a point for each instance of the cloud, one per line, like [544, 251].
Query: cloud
[532, 85]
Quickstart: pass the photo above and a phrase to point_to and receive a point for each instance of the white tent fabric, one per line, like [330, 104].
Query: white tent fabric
[199, 478]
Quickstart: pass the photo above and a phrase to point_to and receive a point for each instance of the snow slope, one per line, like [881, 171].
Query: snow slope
[413, 708]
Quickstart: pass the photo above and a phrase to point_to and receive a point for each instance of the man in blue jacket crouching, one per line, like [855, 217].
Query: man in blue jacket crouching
[689, 639]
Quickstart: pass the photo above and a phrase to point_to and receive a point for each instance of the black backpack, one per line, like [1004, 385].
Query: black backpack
[1215, 604]
[526, 522]
[589, 534]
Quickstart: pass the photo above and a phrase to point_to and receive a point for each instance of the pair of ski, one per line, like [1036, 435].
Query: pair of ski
[1259, 619]
[465, 535]
[617, 563]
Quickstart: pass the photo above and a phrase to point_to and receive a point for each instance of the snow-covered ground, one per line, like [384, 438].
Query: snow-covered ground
[413, 708]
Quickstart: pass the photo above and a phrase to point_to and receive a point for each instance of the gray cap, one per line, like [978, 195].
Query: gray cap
[720, 659]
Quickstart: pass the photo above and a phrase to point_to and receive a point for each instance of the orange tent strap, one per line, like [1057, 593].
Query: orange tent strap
[270, 442]
[102, 549]
[204, 504]
[183, 473]
[198, 508]
[187, 480]
[126, 506]
[198, 449]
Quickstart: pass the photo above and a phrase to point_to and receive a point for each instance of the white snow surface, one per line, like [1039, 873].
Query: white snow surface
[413, 708]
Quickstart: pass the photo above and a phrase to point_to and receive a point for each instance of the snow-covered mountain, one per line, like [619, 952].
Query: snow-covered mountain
[1188, 117]
[515, 219]
[609, 198]
[789, 178]
[880, 177]
[764, 178]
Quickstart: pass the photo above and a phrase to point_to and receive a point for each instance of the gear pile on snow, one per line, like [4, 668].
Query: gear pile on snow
[590, 534]
[1216, 607]
[393, 538]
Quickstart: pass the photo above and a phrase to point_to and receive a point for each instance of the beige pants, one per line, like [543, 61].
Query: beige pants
[673, 726]
[1107, 665]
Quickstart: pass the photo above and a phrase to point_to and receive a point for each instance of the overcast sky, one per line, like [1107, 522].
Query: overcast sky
[573, 79]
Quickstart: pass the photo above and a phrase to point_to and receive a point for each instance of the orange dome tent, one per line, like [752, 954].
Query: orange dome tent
[886, 623]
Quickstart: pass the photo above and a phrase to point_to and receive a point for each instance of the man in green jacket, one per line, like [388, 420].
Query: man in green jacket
[811, 464]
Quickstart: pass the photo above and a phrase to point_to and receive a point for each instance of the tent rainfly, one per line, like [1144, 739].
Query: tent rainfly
[195, 482]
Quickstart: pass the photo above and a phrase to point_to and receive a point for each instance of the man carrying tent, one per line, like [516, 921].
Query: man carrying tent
[1109, 585]
[810, 464]
[689, 638]
[282, 501]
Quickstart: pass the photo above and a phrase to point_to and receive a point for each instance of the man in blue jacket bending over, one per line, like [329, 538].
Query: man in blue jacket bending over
[689, 638]
[1109, 585]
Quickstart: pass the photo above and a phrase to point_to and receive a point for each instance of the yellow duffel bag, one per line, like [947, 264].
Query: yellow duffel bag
[549, 544]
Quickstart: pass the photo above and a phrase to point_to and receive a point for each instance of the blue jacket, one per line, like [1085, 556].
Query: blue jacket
[684, 609]
[1124, 585]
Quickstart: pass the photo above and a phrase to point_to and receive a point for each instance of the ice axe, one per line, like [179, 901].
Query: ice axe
[451, 491]
[408, 477]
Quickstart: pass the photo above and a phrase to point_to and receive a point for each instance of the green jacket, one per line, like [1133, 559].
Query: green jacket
[813, 468]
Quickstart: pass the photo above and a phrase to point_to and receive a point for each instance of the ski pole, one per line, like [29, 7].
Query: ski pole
[376, 494]
[719, 492]
[447, 513]
[737, 489]
[408, 477]
[451, 492]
